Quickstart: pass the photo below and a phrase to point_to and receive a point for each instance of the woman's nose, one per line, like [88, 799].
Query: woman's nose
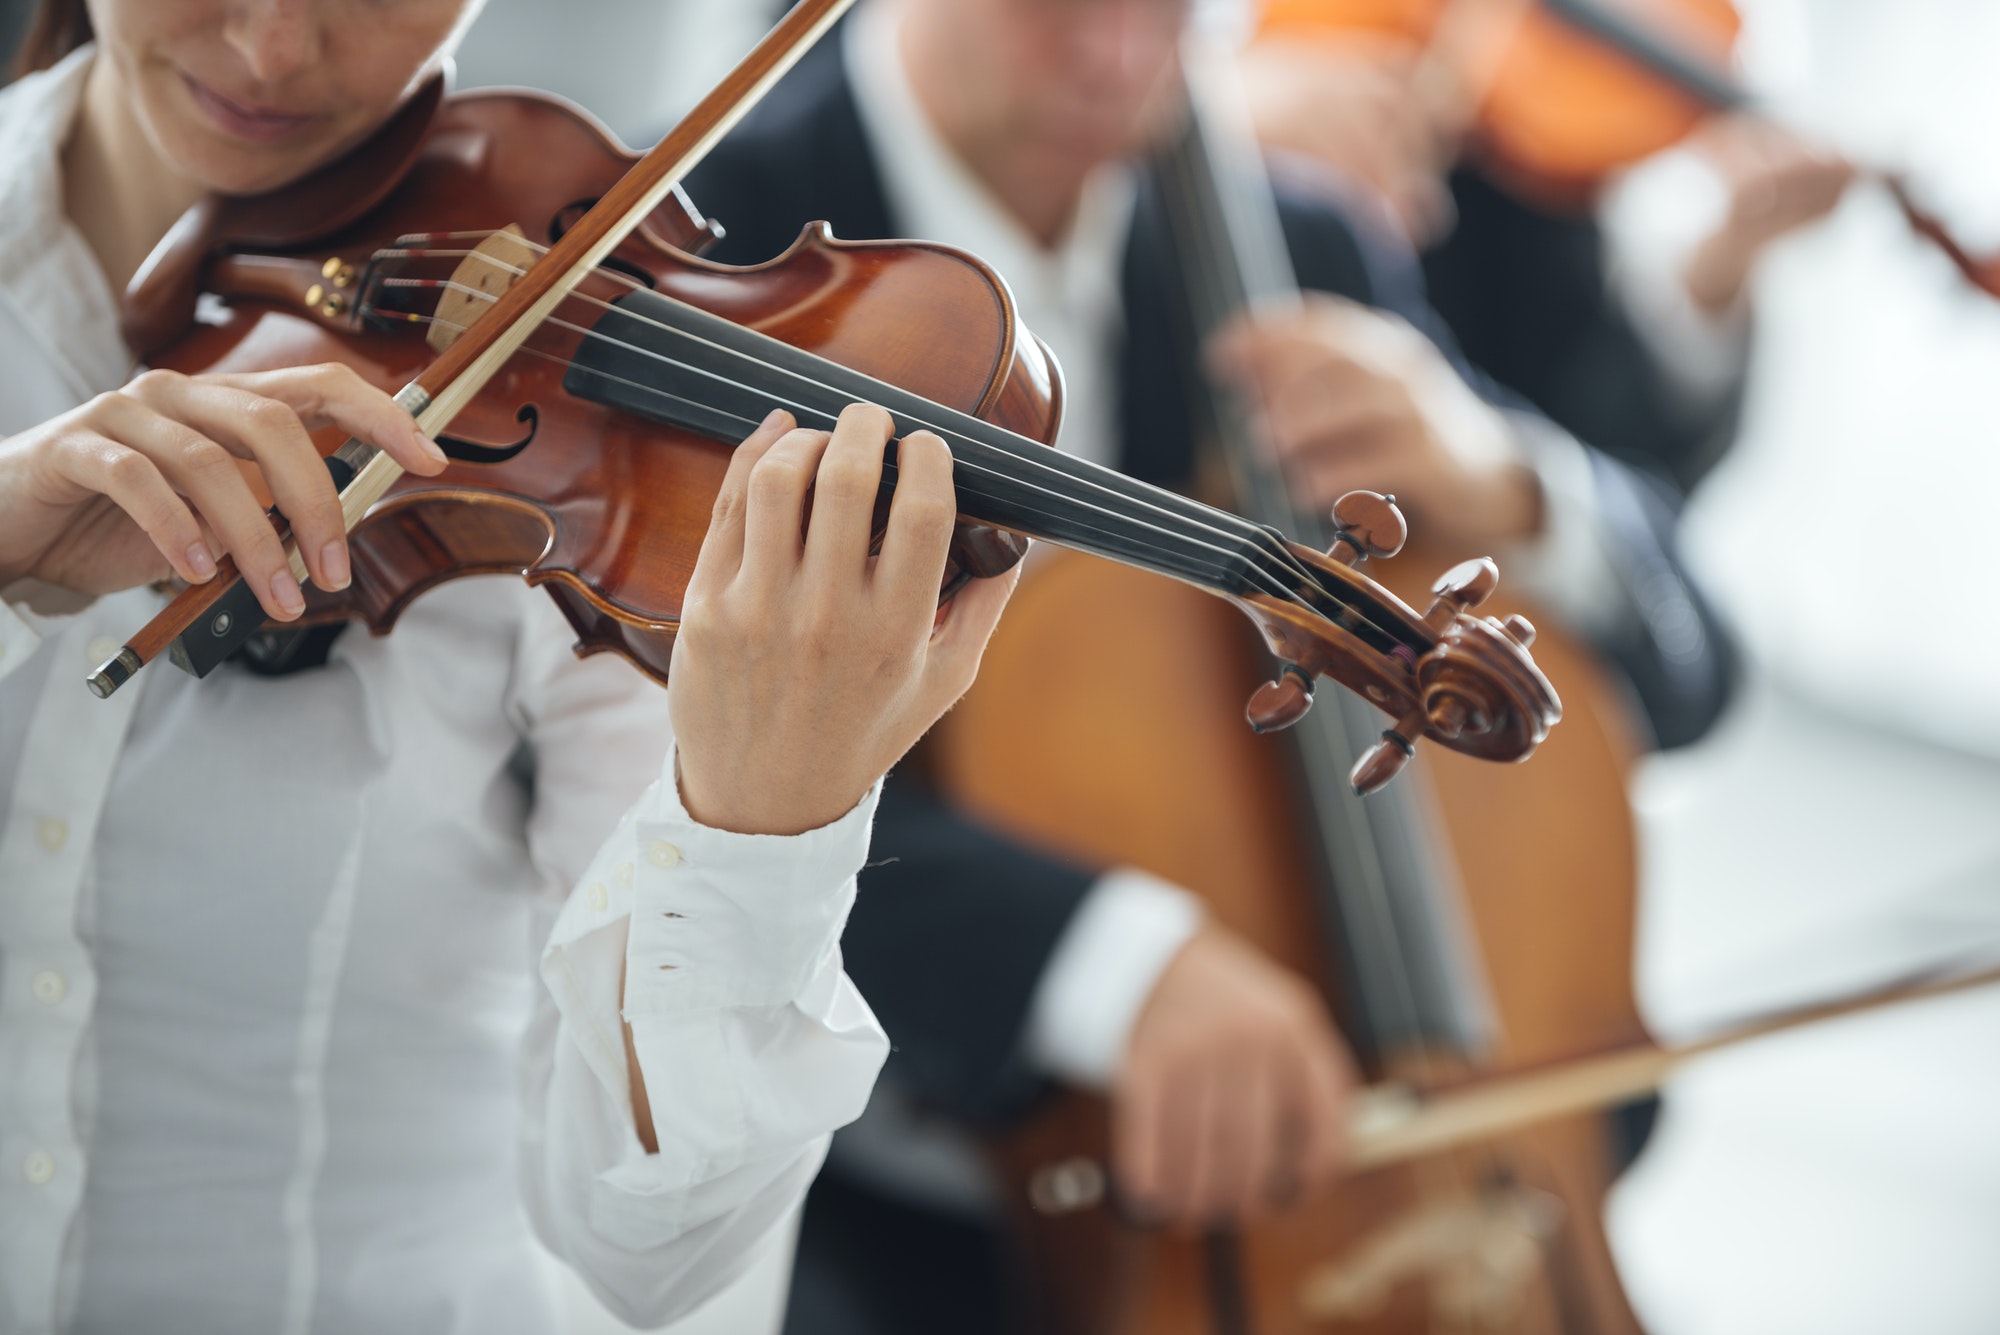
[276, 38]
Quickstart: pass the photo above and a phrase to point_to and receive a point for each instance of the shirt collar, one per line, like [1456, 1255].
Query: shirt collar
[36, 113]
[933, 194]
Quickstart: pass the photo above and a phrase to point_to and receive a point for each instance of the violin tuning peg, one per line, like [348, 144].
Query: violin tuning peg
[1380, 763]
[1369, 524]
[1279, 704]
[1519, 629]
[1460, 589]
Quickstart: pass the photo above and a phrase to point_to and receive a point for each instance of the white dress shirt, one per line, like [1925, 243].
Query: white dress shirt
[302, 1027]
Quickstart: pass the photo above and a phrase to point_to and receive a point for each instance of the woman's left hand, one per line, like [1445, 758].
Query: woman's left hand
[805, 666]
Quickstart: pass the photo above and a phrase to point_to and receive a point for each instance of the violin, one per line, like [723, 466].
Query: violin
[529, 286]
[1557, 95]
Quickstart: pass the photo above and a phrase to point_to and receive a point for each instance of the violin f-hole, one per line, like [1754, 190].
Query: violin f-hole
[472, 452]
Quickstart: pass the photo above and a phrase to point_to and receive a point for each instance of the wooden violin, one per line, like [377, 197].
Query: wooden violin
[522, 279]
[1556, 95]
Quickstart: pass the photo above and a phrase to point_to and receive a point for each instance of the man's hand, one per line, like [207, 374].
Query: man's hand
[1778, 182]
[1359, 107]
[806, 667]
[1351, 398]
[1232, 1099]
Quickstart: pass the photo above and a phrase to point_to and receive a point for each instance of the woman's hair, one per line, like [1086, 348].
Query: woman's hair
[59, 27]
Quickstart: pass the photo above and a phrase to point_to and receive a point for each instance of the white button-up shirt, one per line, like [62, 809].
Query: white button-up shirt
[274, 1052]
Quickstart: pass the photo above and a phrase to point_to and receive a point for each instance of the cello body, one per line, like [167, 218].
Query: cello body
[1059, 743]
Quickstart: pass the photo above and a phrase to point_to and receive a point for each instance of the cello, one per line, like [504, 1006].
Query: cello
[1507, 942]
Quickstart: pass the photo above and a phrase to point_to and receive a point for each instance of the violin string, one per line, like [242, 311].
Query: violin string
[746, 425]
[1271, 586]
[1036, 456]
[1274, 580]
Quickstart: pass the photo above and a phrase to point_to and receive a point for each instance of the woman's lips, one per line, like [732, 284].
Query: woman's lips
[245, 122]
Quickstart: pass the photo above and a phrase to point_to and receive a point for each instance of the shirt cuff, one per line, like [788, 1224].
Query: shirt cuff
[31, 611]
[715, 920]
[1657, 215]
[1567, 567]
[1104, 967]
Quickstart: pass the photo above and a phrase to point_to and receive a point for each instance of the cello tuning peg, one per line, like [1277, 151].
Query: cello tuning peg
[1369, 524]
[1461, 588]
[1519, 629]
[1279, 704]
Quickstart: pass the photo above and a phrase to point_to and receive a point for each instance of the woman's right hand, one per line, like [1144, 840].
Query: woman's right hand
[144, 481]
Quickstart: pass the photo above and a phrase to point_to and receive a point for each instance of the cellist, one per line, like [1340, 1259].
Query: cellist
[1014, 128]
[317, 1005]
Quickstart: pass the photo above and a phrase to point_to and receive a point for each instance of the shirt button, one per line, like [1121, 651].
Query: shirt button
[101, 649]
[39, 1168]
[596, 897]
[662, 854]
[52, 834]
[49, 987]
[624, 874]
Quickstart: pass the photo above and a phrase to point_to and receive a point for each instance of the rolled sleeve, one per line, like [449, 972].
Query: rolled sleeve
[18, 639]
[1125, 933]
[31, 612]
[1568, 567]
[722, 953]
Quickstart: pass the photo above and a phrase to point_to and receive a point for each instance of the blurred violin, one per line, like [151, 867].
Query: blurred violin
[529, 287]
[1556, 95]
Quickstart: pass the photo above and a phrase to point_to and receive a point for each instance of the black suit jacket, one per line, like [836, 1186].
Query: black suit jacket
[955, 922]
[1525, 293]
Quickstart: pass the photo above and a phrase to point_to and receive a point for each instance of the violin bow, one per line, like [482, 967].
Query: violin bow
[226, 604]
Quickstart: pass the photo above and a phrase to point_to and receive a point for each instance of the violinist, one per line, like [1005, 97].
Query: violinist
[318, 1006]
[1017, 129]
[1622, 312]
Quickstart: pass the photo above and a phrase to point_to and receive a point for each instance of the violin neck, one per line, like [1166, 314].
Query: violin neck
[1673, 57]
[672, 363]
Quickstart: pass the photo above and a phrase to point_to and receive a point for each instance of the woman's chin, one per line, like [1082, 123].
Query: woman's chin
[225, 167]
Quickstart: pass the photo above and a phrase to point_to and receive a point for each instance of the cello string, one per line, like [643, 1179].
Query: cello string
[1219, 285]
[1219, 282]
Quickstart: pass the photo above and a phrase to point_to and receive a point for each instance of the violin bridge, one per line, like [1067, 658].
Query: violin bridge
[490, 269]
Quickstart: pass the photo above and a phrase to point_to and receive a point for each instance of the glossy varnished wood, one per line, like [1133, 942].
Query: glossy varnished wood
[605, 510]
[1117, 745]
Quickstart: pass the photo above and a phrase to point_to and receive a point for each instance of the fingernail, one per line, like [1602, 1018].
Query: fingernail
[772, 419]
[333, 563]
[433, 449]
[200, 561]
[286, 590]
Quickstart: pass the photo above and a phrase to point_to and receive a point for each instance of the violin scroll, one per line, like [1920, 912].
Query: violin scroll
[1460, 679]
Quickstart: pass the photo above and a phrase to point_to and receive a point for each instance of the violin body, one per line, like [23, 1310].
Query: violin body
[1551, 110]
[604, 509]
[1075, 752]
